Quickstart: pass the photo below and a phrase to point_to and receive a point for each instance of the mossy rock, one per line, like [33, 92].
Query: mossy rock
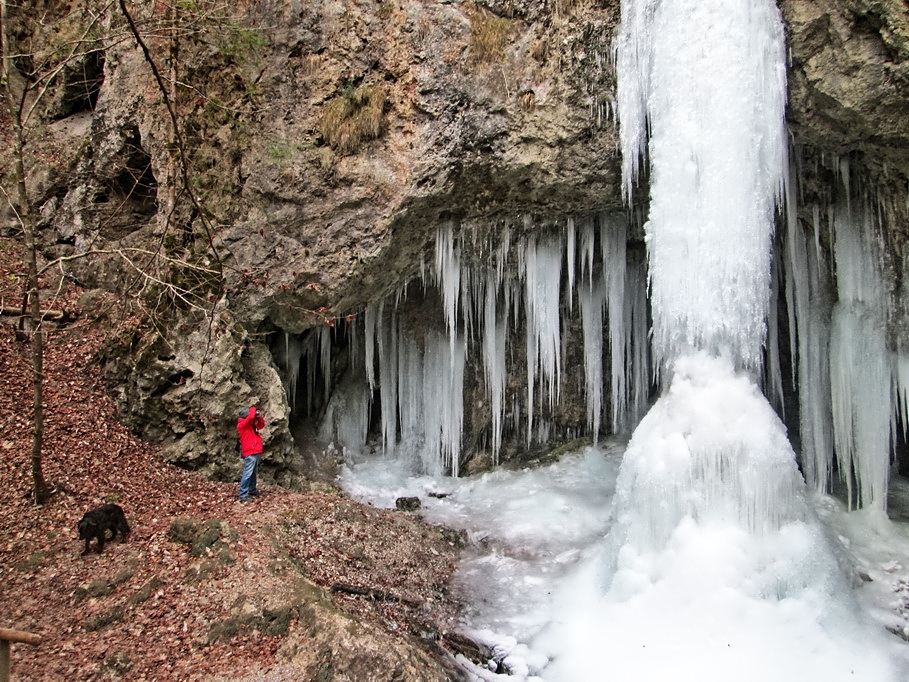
[201, 537]
[146, 591]
[102, 620]
[272, 622]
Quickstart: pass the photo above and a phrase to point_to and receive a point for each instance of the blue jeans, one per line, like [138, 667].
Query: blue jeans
[248, 479]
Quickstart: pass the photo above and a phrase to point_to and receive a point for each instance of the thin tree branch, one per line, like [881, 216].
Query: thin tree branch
[176, 127]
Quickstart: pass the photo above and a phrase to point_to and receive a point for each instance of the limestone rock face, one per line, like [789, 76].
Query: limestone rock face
[849, 77]
[326, 142]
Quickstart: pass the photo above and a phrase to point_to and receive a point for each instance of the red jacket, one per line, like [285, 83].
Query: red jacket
[248, 427]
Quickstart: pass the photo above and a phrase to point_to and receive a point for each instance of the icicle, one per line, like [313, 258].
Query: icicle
[517, 286]
[542, 281]
[637, 348]
[346, 420]
[354, 342]
[808, 296]
[588, 238]
[387, 333]
[373, 313]
[592, 298]
[325, 359]
[570, 259]
[448, 274]
[900, 393]
[859, 364]
[292, 352]
[413, 416]
[443, 386]
[773, 381]
[494, 363]
[613, 241]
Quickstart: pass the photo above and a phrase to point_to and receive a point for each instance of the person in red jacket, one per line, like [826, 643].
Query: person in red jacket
[249, 423]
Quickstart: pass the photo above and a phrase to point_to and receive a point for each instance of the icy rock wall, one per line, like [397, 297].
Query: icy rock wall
[511, 308]
[850, 361]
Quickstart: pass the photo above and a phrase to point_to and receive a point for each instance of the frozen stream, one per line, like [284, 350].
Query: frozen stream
[540, 594]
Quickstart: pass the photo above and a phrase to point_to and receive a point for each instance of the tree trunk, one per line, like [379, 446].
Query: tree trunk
[15, 105]
[41, 492]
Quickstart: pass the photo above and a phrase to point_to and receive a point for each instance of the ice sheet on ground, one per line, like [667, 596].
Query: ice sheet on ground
[707, 608]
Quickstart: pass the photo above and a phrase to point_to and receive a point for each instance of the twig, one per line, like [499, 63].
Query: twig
[373, 593]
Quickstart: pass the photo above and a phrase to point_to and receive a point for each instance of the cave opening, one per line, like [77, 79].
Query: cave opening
[313, 365]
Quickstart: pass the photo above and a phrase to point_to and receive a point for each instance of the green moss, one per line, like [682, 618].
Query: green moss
[277, 622]
[272, 622]
[283, 150]
[204, 570]
[182, 530]
[32, 562]
[118, 662]
[202, 537]
[207, 536]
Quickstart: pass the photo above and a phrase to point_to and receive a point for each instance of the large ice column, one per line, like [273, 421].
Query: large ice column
[709, 502]
[708, 114]
[708, 117]
[711, 450]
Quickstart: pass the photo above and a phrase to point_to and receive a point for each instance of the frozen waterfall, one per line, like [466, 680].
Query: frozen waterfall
[700, 556]
[708, 117]
[711, 464]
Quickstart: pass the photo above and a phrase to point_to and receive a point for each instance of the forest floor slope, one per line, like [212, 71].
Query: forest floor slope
[205, 587]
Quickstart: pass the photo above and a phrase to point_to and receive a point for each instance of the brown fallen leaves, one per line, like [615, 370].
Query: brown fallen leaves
[147, 609]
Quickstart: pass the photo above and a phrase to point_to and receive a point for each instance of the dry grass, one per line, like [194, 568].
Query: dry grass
[353, 118]
[564, 7]
[528, 100]
[488, 36]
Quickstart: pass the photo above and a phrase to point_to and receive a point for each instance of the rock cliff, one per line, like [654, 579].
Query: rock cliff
[324, 144]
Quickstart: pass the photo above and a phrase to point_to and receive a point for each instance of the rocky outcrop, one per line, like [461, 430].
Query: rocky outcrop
[326, 142]
[849, 77]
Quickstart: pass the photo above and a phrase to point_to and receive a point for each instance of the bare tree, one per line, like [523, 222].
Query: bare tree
[24, 95]
[20, 100]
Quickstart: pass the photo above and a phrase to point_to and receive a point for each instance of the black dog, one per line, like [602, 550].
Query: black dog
[96, 523]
